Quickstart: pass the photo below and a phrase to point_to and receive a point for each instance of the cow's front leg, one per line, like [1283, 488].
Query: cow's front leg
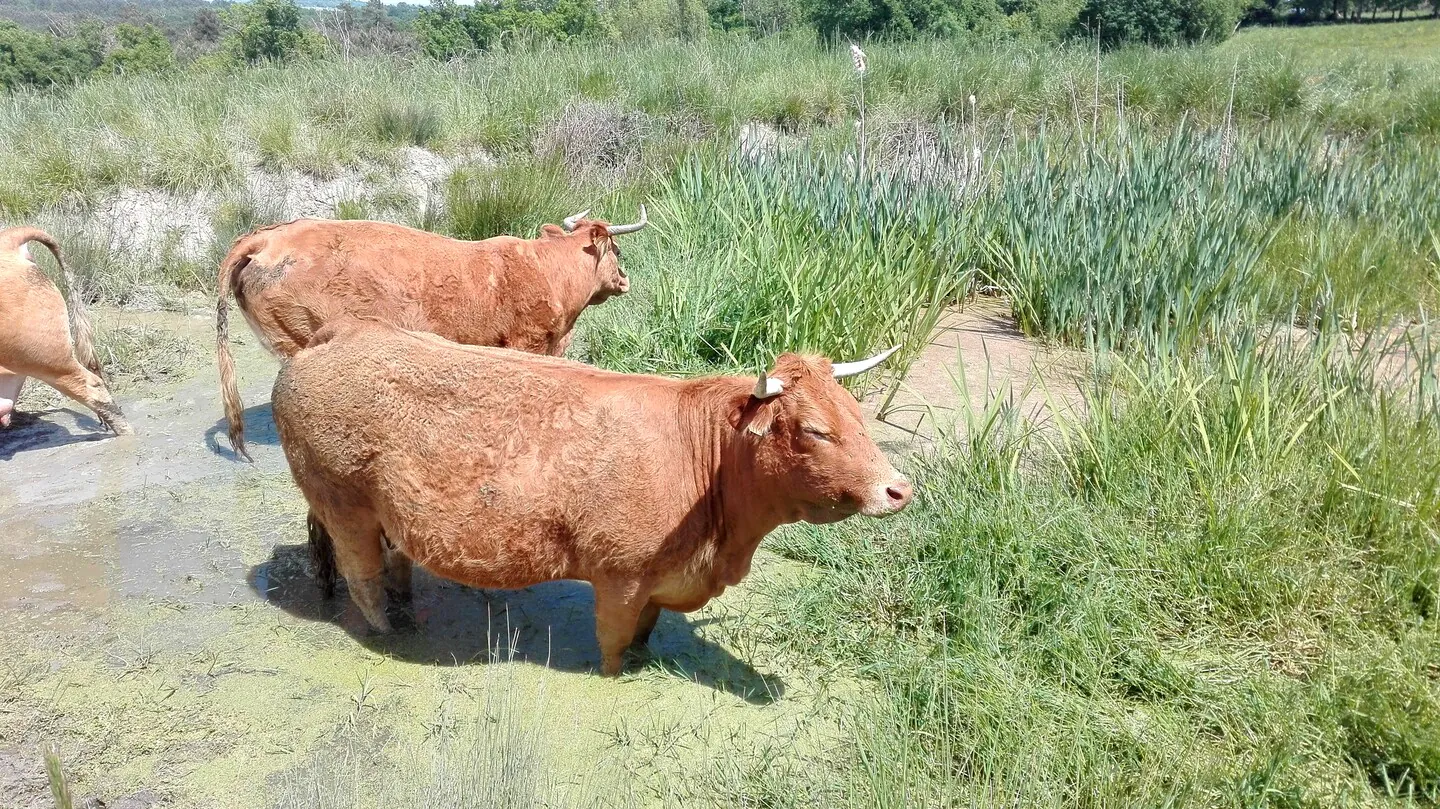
[399, 571]
[617, 612]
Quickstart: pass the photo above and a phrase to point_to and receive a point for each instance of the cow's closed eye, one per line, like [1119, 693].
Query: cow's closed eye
[816, 432]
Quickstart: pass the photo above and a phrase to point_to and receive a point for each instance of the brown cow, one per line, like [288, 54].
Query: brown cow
[500, 469]
[518, 293]
[39, 338]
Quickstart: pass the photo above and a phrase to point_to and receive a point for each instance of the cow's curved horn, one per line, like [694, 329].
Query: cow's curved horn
[767, 387]
[844, 369]
[570, 222]
[621, 230]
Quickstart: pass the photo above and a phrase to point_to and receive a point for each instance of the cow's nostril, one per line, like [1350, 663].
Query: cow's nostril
[899, 492]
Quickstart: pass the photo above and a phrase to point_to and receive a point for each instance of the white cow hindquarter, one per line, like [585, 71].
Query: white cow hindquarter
[10, 385]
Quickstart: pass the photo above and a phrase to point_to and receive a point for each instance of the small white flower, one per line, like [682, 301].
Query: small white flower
[972, 101]
[858, 57]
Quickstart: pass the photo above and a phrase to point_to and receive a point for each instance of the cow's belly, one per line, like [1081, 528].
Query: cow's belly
[492, 551]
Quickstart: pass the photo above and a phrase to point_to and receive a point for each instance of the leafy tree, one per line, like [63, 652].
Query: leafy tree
[441, 30]
[140, 50]
[206, 26]
[726, 15]
[446, 30]
[270, 30]
[1159, 22]
[848, 19]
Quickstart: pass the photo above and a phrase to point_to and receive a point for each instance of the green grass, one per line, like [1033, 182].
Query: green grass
[199, 129]
[1216, 589]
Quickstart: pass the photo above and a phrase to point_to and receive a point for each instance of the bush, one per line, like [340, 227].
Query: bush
[1159, 22]
[1047, 19]
[140, 50]
[40, 60]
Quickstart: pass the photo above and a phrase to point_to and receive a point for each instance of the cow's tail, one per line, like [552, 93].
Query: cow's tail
[82, 333]
[322, 554]
[238, 257]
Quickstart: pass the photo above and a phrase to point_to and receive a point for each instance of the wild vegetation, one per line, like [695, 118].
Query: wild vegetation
[1215, 585]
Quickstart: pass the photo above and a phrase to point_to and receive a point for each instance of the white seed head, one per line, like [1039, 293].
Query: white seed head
[858, 57]
[972, 101]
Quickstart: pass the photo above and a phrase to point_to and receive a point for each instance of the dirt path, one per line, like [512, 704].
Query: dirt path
[163, 629]
[975, 355]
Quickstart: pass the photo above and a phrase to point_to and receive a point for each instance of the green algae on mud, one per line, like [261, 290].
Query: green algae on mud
[219, 705]
[204, 665]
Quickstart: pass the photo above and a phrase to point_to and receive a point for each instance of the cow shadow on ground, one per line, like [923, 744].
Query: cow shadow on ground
[550, 624]
[259, 429]
[30, 431]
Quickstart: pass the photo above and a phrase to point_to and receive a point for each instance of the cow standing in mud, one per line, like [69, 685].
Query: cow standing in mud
[499, 469]
[291, 279]
[39, 338]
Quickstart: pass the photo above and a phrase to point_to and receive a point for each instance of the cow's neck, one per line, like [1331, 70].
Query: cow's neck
[735, 510]
[574, 285]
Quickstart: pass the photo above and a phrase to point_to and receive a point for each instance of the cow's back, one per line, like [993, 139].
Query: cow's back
[486, 466]
[305, 273]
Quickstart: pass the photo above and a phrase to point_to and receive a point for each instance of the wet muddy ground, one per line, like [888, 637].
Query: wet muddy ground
[161, 628]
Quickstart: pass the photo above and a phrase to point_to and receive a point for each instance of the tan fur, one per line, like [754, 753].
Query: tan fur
[496, 468]
[39, 338]
[291, 279]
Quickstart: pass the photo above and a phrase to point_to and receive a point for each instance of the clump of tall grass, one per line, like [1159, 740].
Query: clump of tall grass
[1130, 237]
[513, 198]
[407, 124]
[748, 260]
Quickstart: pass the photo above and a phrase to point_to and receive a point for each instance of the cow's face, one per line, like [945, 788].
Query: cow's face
[810, 442]
[610, 279]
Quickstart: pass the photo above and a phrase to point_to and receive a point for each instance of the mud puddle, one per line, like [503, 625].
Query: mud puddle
[161, 627]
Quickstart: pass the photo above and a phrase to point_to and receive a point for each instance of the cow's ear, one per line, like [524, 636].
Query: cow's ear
[761, 416]
[551, 231]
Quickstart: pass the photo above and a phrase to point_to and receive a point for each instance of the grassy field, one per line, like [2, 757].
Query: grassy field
[1216, 588]
[1412, 41]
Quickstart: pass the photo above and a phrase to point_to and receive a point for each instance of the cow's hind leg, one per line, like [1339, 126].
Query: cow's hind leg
[90, 390]
[360, 557]
[322, 554]
[617, 611]
[10, 385]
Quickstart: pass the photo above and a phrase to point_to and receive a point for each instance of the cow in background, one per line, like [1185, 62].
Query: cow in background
[291, 279]
[40, 338]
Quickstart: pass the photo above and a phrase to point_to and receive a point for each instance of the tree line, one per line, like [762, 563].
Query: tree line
[45, 43]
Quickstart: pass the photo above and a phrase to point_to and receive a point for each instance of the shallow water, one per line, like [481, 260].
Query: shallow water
[160, 625]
